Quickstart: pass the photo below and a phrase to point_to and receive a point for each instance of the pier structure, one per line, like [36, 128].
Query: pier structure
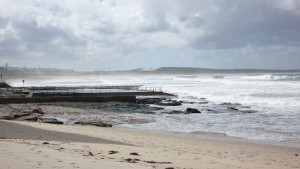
[103, 93]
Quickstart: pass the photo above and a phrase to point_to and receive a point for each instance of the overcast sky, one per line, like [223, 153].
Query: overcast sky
[127, 34]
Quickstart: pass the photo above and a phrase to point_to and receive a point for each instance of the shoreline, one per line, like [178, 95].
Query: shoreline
[211, 136]
[75, 146]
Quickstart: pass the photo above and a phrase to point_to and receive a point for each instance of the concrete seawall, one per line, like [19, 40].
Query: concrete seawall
[114, 94]
[19, 100]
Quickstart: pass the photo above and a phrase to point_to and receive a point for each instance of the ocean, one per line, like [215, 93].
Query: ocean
[268, 104]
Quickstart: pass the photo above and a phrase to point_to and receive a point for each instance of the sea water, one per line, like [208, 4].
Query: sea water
[274, 98]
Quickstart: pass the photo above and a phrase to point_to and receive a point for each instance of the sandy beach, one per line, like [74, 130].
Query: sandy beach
[40, 145]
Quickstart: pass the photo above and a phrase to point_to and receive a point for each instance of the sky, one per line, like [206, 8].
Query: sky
[126, 34]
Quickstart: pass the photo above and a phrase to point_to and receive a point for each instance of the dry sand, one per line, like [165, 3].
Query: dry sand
[30, 145]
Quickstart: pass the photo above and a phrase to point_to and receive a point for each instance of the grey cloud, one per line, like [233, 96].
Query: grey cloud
[155, 33]
[242, 23]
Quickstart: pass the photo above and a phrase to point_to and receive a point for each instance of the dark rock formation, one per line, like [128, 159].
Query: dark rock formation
[191, 110]
[98, 123]
[18, 114]
[7, 117]
[233, 108]
[150, 100]
[31, 117]
[38, 111]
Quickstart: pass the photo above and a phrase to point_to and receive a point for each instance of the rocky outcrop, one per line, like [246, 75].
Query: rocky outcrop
[32, 117]
[50, 120]
[170, 103]
[38, 111]
[191, 110]
[6, 117]
[150, 100]
[98, 123]
[233, 108]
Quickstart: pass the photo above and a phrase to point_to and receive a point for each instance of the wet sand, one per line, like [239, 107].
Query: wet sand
[39, 145]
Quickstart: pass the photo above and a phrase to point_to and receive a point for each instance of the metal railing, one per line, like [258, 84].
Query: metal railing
[93, 90]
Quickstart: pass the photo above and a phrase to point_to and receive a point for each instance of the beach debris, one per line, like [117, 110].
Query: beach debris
[131, 160]
[155, 162]
[45, 143]
[90, 154]
[98, 123]
[50, 120]
[191, 110]
[113, 152]
[297, 155]
[134, 154]
[169, 168]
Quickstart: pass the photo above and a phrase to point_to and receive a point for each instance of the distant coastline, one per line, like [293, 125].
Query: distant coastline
[18, 72]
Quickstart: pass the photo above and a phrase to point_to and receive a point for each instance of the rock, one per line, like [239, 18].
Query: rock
[98, 123]
[7, 117]
[170, 103]
[156, 108]
[230, 104]
[191, 110]
[203, 102]
[150, 100]
[50, 120]
[175, 112]
[233, 108]
[38, 111]
[32, 117]
[248, 111]
[20, 114]
[45, 143]
[225, 104]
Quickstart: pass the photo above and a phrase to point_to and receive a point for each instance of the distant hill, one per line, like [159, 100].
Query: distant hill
[15, 72]
[190, 70]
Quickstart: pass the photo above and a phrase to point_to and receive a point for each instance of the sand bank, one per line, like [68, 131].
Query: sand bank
[39, 145]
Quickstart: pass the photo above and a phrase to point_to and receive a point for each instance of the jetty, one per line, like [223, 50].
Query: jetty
[101, 93]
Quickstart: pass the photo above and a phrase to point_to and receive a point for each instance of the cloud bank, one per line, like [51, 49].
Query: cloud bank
[117, 34]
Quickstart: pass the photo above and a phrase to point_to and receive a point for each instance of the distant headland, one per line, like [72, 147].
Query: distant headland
[15, 72]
